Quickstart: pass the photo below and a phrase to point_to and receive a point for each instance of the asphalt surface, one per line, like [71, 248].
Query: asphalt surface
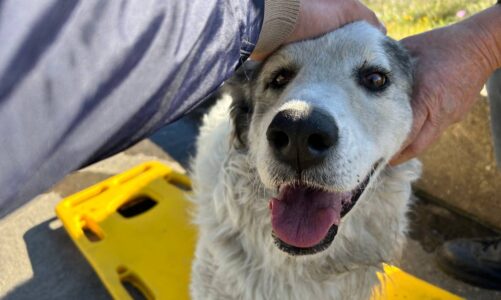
[39, 261]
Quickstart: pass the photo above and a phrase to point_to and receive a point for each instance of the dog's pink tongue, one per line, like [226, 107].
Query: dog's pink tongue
[302, 216]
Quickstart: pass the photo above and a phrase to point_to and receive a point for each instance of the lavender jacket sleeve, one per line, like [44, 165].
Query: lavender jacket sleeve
[81, 80]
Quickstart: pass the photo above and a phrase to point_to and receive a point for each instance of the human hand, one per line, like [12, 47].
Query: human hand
[453, 63]
[317, 17]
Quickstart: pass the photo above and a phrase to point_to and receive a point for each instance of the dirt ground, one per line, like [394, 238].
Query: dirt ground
[430, 226]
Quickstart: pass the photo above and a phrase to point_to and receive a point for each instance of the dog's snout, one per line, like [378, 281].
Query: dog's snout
[302, 140]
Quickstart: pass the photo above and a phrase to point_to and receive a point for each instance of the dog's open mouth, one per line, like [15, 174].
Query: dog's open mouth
[305, 219]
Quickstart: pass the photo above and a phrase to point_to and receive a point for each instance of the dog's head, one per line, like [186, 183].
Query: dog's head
[319, 119]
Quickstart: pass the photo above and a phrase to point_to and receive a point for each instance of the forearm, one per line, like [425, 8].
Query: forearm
[82, 80]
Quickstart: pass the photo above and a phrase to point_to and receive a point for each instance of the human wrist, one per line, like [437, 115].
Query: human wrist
[280, 19]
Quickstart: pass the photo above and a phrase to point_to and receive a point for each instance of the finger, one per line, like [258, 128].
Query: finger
[412, 44]
[258, 56]
[382, 27]
[427, 136]
[372, 18]
[419, 116]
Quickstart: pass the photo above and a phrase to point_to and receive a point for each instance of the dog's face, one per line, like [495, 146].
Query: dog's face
[319, 119]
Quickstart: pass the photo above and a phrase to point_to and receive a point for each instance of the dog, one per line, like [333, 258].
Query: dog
[294, 195]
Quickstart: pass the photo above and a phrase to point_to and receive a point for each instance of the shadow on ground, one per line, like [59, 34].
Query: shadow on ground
[179, 138]
[59, 269]
[432, 225]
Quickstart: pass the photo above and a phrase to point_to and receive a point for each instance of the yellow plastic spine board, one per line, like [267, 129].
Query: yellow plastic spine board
[397, 284]
[134, 229]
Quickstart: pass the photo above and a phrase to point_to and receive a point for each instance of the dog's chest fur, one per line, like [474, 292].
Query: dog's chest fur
[236, 257]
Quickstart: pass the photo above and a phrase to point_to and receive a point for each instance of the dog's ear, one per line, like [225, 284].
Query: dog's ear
[240, 89]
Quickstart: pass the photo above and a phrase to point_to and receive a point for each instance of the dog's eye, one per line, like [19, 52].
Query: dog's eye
[281, 79]
[374, 81]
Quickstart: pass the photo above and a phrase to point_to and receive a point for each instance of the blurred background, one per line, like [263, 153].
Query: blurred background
[403, 18]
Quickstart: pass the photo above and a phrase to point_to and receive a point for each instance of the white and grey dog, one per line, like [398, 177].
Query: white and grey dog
[294, 196]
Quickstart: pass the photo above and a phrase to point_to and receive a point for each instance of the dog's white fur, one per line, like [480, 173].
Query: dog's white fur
[236, 257]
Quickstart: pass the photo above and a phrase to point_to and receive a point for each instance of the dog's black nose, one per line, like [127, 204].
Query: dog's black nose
[302, 139]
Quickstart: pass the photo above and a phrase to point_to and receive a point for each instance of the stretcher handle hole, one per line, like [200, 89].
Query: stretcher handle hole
[90, 234]
[136, 206]
[178, 183]
[134, 292]
[134, 286]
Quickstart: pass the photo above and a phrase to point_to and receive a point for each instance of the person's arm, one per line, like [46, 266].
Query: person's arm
[81, 80]
[453, 64]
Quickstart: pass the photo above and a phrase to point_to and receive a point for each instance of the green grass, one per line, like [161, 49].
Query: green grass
[406, 17]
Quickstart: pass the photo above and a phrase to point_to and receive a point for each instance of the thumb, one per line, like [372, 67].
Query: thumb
[420, 116]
